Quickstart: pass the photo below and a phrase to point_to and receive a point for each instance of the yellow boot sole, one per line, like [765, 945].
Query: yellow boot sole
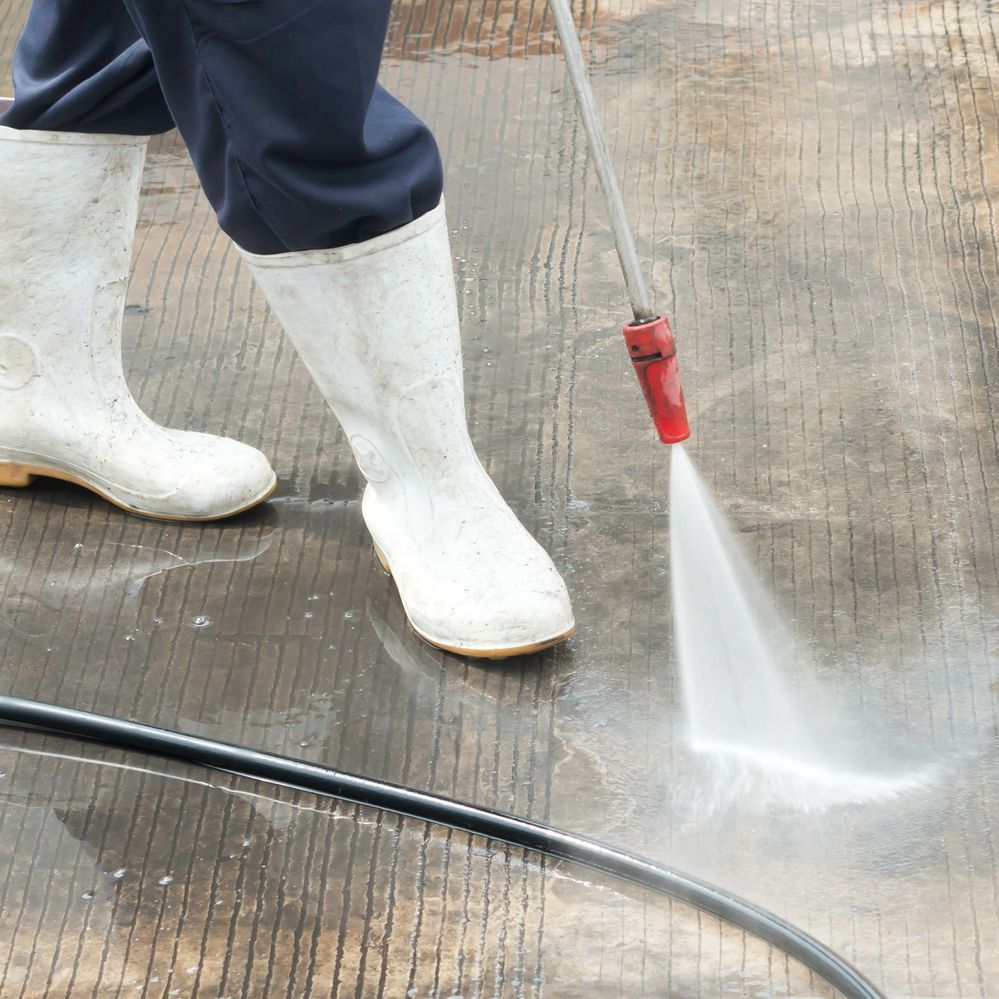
[15, 476]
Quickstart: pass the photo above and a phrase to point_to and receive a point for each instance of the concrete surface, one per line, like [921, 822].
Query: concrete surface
[814, 186]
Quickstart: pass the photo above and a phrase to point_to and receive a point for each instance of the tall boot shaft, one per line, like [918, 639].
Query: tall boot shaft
[376, 324]
[68, 205]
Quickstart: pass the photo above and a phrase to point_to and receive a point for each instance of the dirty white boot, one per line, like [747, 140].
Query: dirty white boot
[377, 326]
[68, 205]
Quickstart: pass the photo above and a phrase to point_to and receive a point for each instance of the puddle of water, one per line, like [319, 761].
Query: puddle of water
[35, 605]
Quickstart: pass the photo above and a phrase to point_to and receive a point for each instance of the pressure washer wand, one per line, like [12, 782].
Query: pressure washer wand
[649, 338]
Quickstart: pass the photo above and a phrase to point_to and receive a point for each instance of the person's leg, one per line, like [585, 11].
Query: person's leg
[331, 189]
[295, 143]
[68, 201]
[82, 66]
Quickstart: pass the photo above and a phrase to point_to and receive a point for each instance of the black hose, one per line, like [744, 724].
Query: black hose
[474, 819]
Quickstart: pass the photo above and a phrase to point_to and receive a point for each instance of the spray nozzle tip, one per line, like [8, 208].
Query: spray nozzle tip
[653, 354]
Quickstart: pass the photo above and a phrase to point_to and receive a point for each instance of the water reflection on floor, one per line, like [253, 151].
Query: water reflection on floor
[814, 186]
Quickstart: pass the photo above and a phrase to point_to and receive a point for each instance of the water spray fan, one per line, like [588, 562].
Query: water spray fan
[648, 336]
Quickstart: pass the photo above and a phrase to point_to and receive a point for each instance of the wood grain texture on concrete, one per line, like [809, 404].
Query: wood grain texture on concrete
[814, 188]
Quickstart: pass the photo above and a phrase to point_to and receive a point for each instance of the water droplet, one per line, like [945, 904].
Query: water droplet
[157, 620]
[348, 614]
[201, 621]
[167, 879]
[119, 874]
[247, 842]
[87, 896]
[309, 615]
[78, 546]
[130, 638]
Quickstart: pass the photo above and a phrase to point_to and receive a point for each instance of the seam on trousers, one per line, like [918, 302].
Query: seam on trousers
[220, 111]
[121, 73]
[277, 27]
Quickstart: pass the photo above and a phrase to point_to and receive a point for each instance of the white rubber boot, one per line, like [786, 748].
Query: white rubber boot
[377, 326]
[68, 206]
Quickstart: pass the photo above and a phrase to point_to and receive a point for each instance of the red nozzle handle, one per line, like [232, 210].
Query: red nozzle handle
[653, 353]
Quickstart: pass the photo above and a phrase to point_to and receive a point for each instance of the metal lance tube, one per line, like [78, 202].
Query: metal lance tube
[649, 337]
[641, 301]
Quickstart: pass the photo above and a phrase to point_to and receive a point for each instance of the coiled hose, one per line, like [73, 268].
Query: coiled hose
[474, 819]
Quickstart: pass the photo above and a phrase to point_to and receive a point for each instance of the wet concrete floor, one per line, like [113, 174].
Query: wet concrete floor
[814, 185]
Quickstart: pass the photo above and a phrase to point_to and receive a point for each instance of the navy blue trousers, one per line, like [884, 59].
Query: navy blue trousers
[294, 141]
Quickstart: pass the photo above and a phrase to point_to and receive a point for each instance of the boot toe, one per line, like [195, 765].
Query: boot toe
[209, 478]
[499, 620]
[225, 477]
